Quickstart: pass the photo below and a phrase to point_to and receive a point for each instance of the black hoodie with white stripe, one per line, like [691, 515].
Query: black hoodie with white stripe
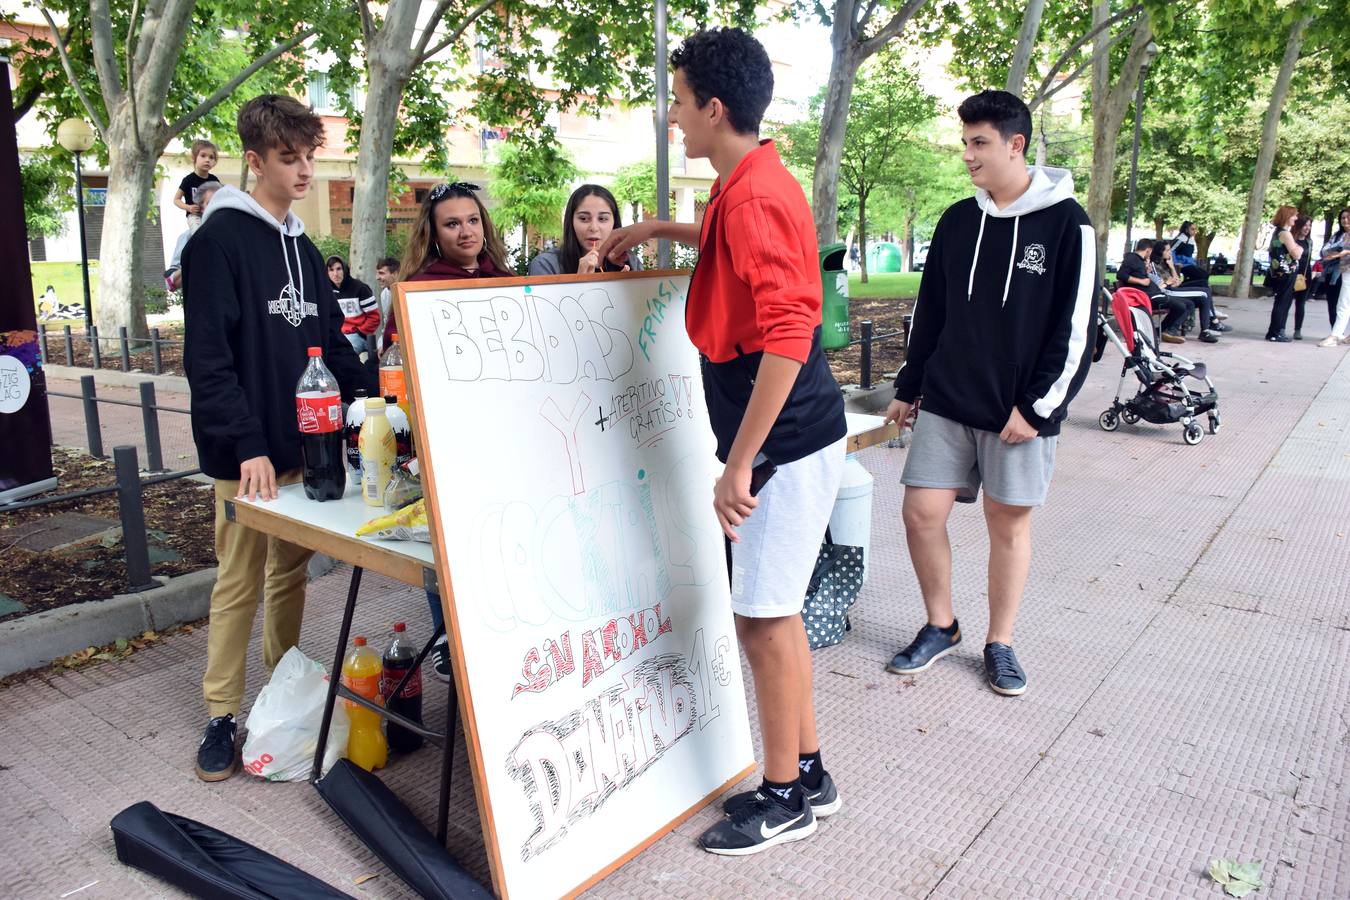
[1004, 315]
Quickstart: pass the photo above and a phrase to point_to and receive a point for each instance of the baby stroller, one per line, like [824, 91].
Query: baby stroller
[1170, 386]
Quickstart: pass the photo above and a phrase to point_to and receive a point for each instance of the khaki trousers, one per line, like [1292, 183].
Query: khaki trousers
[250, 563]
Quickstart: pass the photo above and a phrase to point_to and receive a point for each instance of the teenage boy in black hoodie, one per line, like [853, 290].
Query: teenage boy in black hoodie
[255, 297]
[999, 345]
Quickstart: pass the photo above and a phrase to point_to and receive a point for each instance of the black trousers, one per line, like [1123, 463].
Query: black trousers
[1283, 289]
[1178, 308]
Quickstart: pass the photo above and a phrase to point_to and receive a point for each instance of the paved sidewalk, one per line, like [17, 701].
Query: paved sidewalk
[1186, 633]
[123, 424]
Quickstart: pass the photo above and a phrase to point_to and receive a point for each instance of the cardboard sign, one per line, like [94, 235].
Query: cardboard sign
[569, 467]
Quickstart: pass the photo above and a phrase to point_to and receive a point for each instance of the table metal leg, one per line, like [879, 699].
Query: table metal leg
[335, 674]
[447, 761]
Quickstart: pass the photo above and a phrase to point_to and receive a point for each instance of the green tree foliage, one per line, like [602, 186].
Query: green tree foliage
[48, 193]
[531, 181]
[636, 183]
[887, 109]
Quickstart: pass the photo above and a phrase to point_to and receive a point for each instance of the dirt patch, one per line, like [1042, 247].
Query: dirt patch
[887, 317]
[140, 353]
[179, 518]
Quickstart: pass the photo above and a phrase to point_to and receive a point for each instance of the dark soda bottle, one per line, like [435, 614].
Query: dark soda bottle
[351, 436]
[318, 409]
[398, 659]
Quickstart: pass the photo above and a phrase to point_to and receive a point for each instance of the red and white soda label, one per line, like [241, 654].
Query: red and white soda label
[318, 413]
[389, 679]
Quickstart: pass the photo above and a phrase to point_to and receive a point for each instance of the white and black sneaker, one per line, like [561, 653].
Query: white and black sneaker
[440, 660]
[757, 824]
[824, 800]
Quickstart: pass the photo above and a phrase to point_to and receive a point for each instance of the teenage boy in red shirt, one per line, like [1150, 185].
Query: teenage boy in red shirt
[753, 311]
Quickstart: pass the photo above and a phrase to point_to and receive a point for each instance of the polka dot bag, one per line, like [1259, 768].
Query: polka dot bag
[833, 590]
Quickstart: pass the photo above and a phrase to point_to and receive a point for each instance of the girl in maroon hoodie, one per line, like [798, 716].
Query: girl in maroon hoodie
[453, 238]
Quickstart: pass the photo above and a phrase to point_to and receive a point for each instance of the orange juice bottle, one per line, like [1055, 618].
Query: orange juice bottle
[391, 374]
[361, 671]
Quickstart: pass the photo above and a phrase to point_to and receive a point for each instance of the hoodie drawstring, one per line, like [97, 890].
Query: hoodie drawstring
[1012, 256]
[970, 284]
[1012, 259]
[300, 268]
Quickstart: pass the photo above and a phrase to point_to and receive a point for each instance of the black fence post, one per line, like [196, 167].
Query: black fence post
[126, 350]
[866, 354]
[94, 348]
[70, 346]
[91, 426]
[134, 540]
[154, 456]
[906, 321]
[154, 351]
[42, 343]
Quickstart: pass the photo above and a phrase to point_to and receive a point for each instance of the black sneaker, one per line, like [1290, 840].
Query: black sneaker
[1001, 669]
[929, 645]
[1298, 335]
[216, 759]
[1209, 337]
[824, 800]
[1218, 326]
[1280, 338]
[440, 660]
[758, 824]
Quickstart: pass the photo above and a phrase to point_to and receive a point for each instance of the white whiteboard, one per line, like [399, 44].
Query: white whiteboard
[570, 463]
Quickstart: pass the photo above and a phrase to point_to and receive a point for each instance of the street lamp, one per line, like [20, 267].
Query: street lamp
[77, 137]
[1149, 52]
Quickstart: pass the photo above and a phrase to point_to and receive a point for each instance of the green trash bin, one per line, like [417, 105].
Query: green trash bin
[884, 257]
[834, 288]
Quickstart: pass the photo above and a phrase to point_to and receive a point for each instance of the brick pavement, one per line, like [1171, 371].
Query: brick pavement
[1185, 634]
[123, 424]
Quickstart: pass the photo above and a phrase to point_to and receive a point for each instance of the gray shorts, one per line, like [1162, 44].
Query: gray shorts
[946, 454]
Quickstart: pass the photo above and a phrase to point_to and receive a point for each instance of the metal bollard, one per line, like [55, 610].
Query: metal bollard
[126, 351]
[94, 347]
[154, 456]
[154, 351]
[70, 347]
[134, 540]
[866, 354]
[91, 426]
[42, 344]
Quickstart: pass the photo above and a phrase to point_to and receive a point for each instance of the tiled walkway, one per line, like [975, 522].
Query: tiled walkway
[1186, 632]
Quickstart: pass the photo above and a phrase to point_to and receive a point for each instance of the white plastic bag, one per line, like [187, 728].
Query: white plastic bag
[283, 726]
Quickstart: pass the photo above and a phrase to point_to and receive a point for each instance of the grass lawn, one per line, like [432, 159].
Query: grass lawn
[65, 277]
[898, 284]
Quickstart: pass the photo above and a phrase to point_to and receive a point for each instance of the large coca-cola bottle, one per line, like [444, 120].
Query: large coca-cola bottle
[318, 408]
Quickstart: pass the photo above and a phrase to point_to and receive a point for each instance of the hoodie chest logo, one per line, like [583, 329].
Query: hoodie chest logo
[1033, 259]
[291, 307]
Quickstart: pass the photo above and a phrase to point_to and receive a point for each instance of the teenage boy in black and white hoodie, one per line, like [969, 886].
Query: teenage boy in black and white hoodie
[999, 345]
[256, 295]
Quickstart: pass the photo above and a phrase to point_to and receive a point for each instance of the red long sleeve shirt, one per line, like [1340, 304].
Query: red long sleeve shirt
[757, 290]
[758, 280]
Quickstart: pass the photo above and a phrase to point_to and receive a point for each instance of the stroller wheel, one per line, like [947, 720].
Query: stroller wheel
[1130, 416]
[1109, 420]
[1214, 423]
[1193, 434]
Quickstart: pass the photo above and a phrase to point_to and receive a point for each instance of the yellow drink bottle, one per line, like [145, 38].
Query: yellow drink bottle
[361, 671]
[379, 449]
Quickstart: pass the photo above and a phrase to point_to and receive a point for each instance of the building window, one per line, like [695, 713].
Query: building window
[324, 99]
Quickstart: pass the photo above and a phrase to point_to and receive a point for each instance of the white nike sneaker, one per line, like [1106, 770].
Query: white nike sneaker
[758, 824]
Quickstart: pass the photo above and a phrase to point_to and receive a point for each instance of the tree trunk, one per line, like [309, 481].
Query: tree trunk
[1202, 241]
[243, 171]
[370, 199]
[389, 64]
[862, 235]
[1157, 229]
[1026, 45]
[1109, 105]
[121, 287]
[909, 231]
[1256, 201]
[833, 125]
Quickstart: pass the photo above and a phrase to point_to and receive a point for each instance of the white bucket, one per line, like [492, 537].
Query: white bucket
[851, 520]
